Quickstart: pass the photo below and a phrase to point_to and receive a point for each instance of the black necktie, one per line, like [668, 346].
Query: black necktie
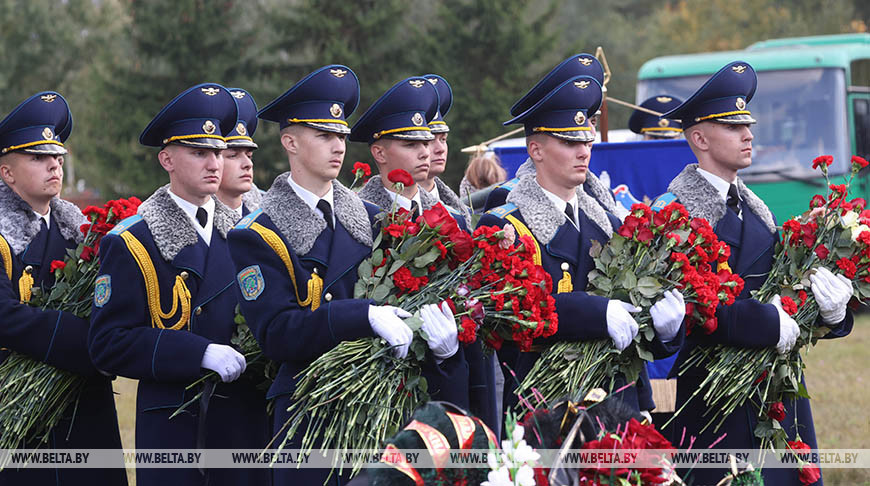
[326, 209]
[43, 226]
[415, 209]
[201, 216]
[733, 201]
[569, 212]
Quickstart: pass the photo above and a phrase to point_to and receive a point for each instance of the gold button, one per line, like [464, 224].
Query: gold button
[198, 311]
[565, 266]
[327, 297]
[184, 275]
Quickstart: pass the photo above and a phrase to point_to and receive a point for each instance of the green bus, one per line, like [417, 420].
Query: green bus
[813, 98]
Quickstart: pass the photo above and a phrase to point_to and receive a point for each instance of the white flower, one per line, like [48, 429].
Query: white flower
[525, 476]
[849, 220]
[499, 477]
[857, 230]
[510, 235]
[523, 453]
[518, 433]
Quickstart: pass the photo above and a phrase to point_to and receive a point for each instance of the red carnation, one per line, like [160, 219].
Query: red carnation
[859, 162]
[848, 267]
[817, 201]
[776, 411]
[789, 305]
[400, 176]
[809, 473]
[827, 160]
[394, 230]
[57, 265]
[361, 169]
[760, 378]
[467, 331]
[822, 252]
[87, 253]
[802, 295]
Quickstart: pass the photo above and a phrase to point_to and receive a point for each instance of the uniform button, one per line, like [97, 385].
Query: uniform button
[198, 311]
[565, 266]
[327, 297]
[184, 275]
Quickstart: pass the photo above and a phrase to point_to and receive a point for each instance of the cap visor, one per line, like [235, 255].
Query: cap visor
[329, 127]
[241, 143]
[214, 143]
[411, 135]
[45, 148]
[735, 120]
[575, 136]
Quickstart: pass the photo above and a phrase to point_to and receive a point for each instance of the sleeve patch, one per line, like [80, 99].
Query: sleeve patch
[251, 282]
[102, 290]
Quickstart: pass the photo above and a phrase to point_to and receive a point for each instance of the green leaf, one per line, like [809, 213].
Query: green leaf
[595, 248]
[365, 269]
[414, 322]
[380, 293]
[427, 258]
[629, 280]
[395, 266]
[644, 354]
[802, 391]
[649, 287]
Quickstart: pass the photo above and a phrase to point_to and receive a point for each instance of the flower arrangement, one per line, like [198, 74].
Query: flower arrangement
[34, 395]
[651, 253]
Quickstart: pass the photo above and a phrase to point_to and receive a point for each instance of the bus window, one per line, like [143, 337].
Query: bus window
[861, 109]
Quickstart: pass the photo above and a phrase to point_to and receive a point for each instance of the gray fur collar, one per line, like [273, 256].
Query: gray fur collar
[375, 193]
[171, 227]
[702, 200]
[252, 198]
[592, 186]
[301, 225]
[543, 218]
[449, 198]
[19, 225]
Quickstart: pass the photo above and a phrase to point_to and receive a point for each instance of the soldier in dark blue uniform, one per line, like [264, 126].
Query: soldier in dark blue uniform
[238, 191]
[36, 228]
[297, 255]
[716, 121]
[576, 65]
[654, 127]
[164, 302]
[563, 219]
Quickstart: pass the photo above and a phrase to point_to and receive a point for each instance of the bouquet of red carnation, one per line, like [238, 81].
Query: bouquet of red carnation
[34, 394]
[357, 394]
[835, 234]
[637, 438]
[651, 253]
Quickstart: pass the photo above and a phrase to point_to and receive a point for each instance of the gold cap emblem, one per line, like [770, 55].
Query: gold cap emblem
[585, 60]
[211, 90]
[417, 119]
[740, 104]
[581, 84]
[338, 73]
[241, 129]
[738, 69]
[663, 122]
[48, 98]
[434, 81]
[46, 133]
[417, 83]
[208, 127]
[664, 99]
[335, 110]
[579, 118]
[238, 94]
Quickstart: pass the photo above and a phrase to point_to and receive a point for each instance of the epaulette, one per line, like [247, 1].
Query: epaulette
[503, 210]
[126, 224]
[245, 222]
[451, 210]
[510, 185]
[663, 201]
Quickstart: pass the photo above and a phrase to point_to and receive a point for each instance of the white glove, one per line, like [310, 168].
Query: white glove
[645, 414]
[621, 327]
[788, 328]
[386, 322]
[440, 327]
[668, 314]
[225, 361]
[832, 293]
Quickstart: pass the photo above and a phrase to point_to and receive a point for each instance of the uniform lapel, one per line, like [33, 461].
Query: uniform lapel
[218, 274]
[755, 242]
[730, 230]
[192, 258]
[566, 244]
[346, 253]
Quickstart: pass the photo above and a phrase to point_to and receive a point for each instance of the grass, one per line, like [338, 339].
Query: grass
[836, 378]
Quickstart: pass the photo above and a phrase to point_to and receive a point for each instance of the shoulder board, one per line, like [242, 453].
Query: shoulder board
[451, 210]
[125, 225]
[663, 201]
[502, 210]
[247, 220]
[511, 184]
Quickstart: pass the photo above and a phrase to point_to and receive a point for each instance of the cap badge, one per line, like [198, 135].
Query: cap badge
[210, 91]
[585, 60]
[417, 83]
[740, 104]
[48, 98]
[208, 127]
[338, 73]
[335, 110]
[46, 133]
[664, 99]
[579, 118]
[241, 129]
[581, 84]
[663, 122]
[238, 94]
[738, 69]
[417, 119]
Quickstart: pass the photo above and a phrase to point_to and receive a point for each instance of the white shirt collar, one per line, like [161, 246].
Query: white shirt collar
[404, 202]
[561, 204]
[190, 209]
[433, 192]
[312, 199]
[719, 183]
[46, 217]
